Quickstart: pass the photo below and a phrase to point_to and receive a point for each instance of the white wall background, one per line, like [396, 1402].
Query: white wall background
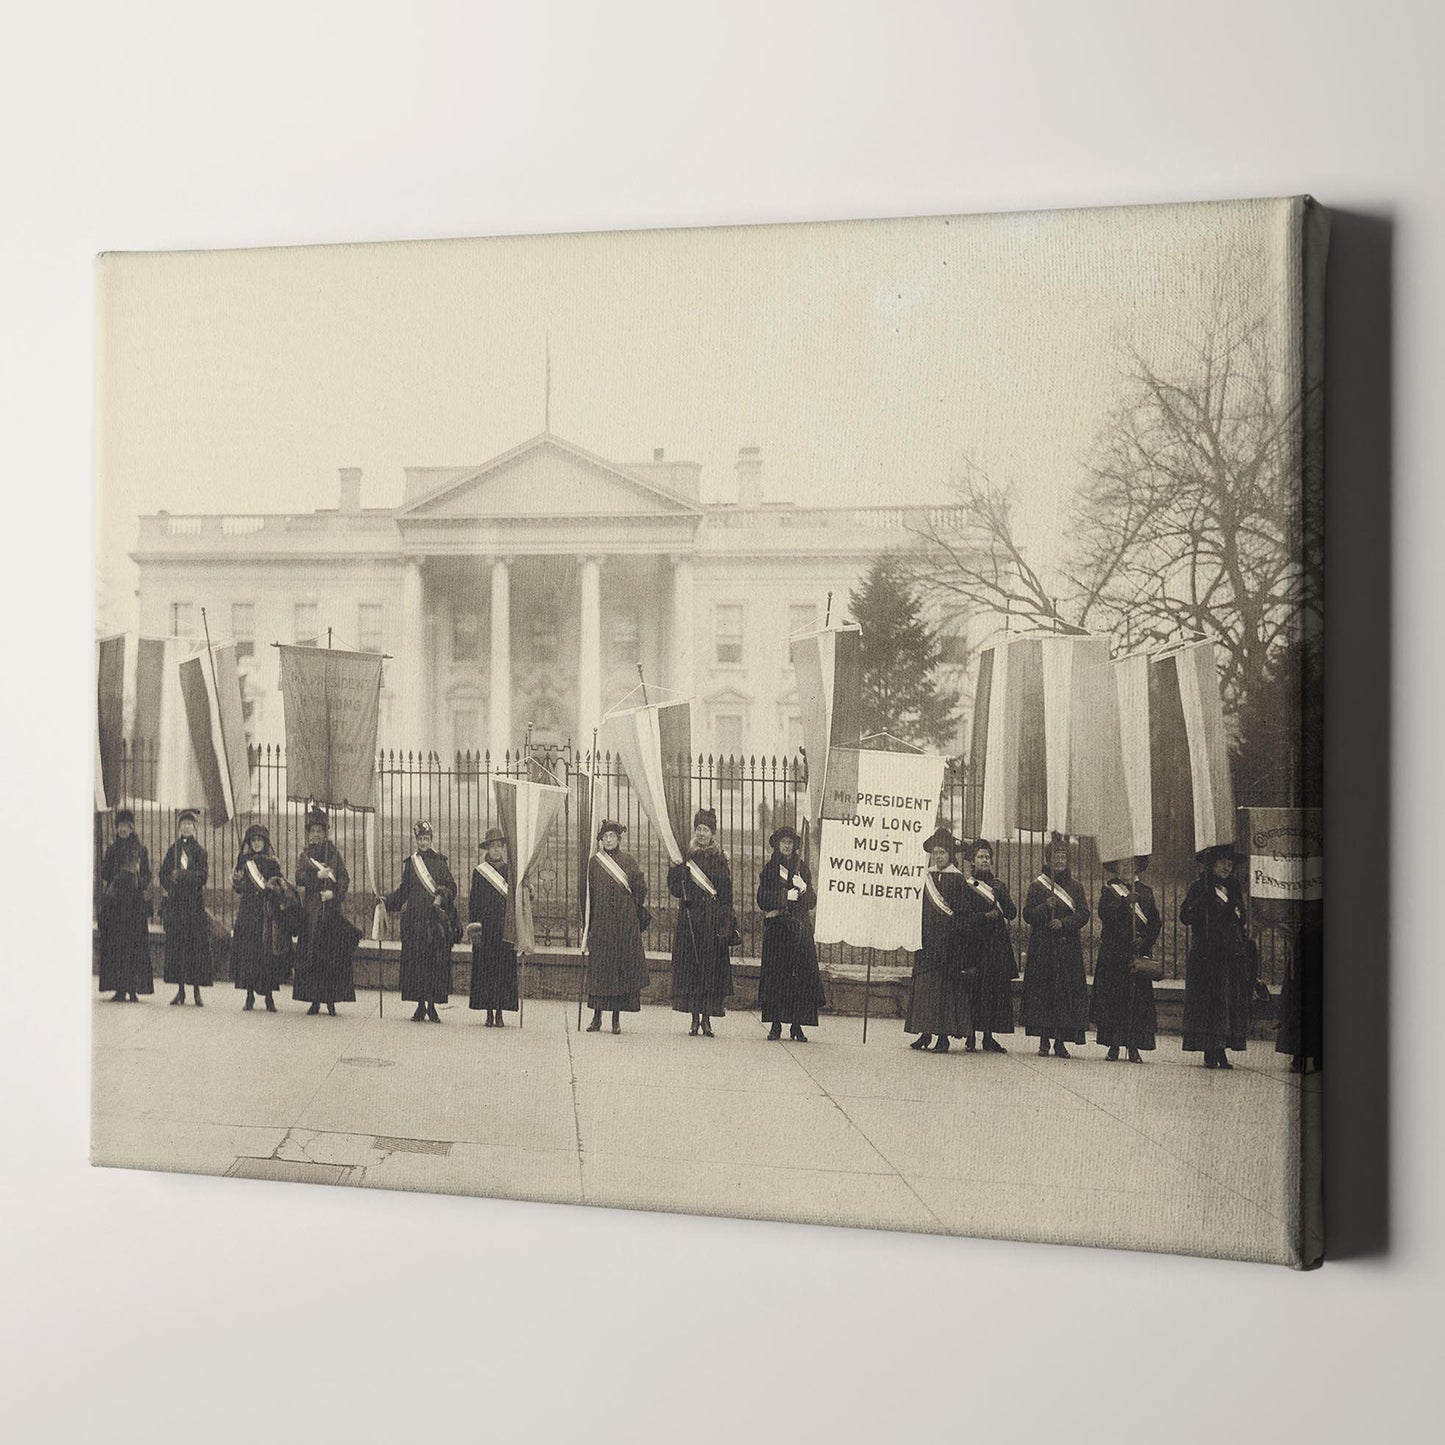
[157, 1308]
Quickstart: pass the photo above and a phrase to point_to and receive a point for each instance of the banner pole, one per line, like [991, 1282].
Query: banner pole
[584, 956]
[221, 730]
[867, 990]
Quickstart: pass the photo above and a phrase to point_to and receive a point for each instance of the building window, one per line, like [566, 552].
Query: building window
[183, 619]
[306, 624]
[466, 637]
[728, 634]
[623, 638]
[243, 629]
[368, 627]
[802, 617]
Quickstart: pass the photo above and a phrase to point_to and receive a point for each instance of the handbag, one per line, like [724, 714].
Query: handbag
[1146, 968]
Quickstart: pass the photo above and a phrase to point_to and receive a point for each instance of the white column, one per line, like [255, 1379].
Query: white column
[499, 728]
[413, 670]
[589, 654]
[682, 626]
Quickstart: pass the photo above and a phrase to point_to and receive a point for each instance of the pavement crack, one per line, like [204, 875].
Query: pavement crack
[576, 1110]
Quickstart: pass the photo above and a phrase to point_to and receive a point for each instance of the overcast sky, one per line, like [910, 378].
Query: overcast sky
[865, 359]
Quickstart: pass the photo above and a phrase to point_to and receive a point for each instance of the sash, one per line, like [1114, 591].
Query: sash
[257, 877]
[614, 868]
[937, 899]
[1057, 889]
[1126, 892]
[1140, 914]
[1221, 893]
[420, 869]
[794, 880]
[979, 886]
[185, 858]
[701, 878]
[492, 877]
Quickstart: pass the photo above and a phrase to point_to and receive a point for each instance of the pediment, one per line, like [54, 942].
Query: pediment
[550, 477]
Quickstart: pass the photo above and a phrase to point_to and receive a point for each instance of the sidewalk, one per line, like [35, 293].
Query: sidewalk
[830, 1132]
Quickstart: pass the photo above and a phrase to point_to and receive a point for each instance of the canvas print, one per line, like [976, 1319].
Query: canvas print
[813, 723]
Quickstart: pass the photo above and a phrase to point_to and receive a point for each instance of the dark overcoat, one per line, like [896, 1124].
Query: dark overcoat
[326, 945]
[789, 986]
[1219, 968]
[123, 915]
[702, 970]
[1301, 1027]
[183, 914]
[428, 928]
[266, 919]
[616, 961]
[494, 960]
[1055, 1002]
[990, 950]
[1129, 926]
[940, 1000]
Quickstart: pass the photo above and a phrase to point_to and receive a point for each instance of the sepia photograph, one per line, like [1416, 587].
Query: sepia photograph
[812, 722]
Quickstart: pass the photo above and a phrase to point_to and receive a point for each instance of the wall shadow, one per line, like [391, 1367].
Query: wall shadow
[1358, 504]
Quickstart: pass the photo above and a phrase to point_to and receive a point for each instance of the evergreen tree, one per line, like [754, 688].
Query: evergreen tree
[900, 657]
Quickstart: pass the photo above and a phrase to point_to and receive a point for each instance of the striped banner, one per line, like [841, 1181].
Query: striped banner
[110, 718]
[527, 811]
[1132, 835]
[642, 737]
[1211, 793]
[828, 666]
[211, 689]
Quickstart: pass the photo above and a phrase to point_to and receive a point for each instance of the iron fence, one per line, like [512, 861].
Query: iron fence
[752, 796]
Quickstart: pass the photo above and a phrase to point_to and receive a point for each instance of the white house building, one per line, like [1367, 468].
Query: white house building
[526, 590]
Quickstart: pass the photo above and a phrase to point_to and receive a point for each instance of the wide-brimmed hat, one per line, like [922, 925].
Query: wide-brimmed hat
[256, 830]
[493, 835]
[187, 814]
[706, 817]
[609, 825]
[941, 838]
[786, 831]
[1210, 856]
[124, 815]
[317, 818]
[970, 850]
[421, 828]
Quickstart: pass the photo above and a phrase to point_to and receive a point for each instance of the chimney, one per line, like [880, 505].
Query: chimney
[350, 489]
[750, 476]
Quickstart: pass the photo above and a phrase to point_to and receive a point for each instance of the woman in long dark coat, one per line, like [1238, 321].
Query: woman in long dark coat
[702, 971]
[1129, 927]
[266, 919]
[1219, 968]
[940, 999]
[426, 900]
[327, 943]
[123, 915]
[183, 912]
[991, 951]
[1301, 1026]
[1055, 1001]
[616, 918]
[494, 960]
[789, 987]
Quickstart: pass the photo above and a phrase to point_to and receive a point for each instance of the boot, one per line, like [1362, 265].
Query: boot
[616, 1021]
[270, 1004]
[971, 1043]
[118, 996]
[1043, 1048]
[1114, 1054]
[797, 1035]
[592, 1028]
[1134, 1057]
[431, 1013]
[419, 1017]
[1209, 1059]
[775, 1033]
[992, 1046]
[196, 992]
[707, 1032]
[692, 1032]
[250, 1000]
[941, 1047]
[1221, 1060]
[181, 996]
[501, 1023]
[314, 1009]
[921, 1042]
[134, 996]
[331, 1009]
[1060, 1052]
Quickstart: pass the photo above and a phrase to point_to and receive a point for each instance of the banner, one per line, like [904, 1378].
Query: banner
[332, 701]
[584, 780]
[210, 687]
[1286, 853]
[871, 862]
[828, 667]
[109, 718]
[526, 814]
[654, 746]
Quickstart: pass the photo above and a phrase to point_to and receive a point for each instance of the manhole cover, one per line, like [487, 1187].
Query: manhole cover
[290, 1171]
[359, 1063]
[411, 1146]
